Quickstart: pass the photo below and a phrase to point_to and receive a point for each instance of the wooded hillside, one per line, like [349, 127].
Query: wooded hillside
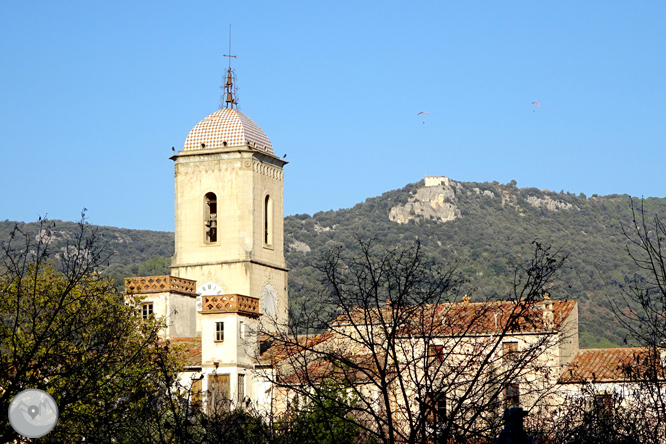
[481, 228]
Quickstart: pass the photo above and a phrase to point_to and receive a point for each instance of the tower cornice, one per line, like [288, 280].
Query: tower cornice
[229, 262]
[243, 149]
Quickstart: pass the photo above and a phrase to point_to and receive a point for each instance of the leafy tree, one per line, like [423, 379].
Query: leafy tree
[327, 418]
[68, 331]
[239, 426]
[170, 418]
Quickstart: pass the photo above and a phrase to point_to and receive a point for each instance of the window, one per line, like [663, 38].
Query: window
[603, 402]
[241, 330]
[210, 217]
[219, 331]
[436, 408]
[268, 221]
[241, 388]
[434, 411]
[294, 402]
[511, 396]
[146, 310]
[510, 350]
[436, 353]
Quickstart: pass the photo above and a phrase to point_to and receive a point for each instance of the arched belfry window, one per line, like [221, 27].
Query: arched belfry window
[210, 217]
[268, 221]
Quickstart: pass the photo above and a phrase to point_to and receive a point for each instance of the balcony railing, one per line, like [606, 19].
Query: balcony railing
[230, 303]
[159, 284]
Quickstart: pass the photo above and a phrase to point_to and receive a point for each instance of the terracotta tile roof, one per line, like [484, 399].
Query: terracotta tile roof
[188, 350]
[275, 350]
[354, 368]
[293, 356]
[490, 318]
[609, 365]
[462, 318]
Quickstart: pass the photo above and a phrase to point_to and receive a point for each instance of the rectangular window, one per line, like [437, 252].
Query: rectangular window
[241, 330]
[210, 217]
[268, 222]
[436, 408]
[510, 350]
[241, 388]
[511, 396]
[435, 416]
[603, 402]
[146, 310]
[219, 331]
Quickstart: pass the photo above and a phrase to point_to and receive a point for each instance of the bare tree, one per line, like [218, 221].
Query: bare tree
[642, 312]
[420, 362]
[596, 414]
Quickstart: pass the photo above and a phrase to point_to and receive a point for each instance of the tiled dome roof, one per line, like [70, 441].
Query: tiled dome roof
[227, 127]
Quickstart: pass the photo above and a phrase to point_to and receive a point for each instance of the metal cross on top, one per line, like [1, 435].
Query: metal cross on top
[230, 91]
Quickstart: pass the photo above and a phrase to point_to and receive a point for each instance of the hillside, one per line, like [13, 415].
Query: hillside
[133, 252]
[481, 228]
[484, 228]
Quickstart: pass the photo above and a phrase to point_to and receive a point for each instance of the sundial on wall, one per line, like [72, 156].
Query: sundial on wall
[268, 300]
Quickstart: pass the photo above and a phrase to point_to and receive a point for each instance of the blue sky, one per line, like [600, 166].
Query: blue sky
[93, 95]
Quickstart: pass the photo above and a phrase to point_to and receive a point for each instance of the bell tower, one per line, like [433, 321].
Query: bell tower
[229, 212]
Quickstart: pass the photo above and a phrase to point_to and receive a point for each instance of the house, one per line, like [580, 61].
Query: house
[606, 374]
[455, 362]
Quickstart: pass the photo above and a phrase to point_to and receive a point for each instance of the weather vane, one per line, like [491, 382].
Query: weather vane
[230, 95]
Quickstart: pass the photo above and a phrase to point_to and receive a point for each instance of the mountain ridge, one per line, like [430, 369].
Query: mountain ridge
[495, 227]
[484, 229]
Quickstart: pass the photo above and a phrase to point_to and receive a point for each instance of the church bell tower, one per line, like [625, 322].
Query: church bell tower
[229, 213]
